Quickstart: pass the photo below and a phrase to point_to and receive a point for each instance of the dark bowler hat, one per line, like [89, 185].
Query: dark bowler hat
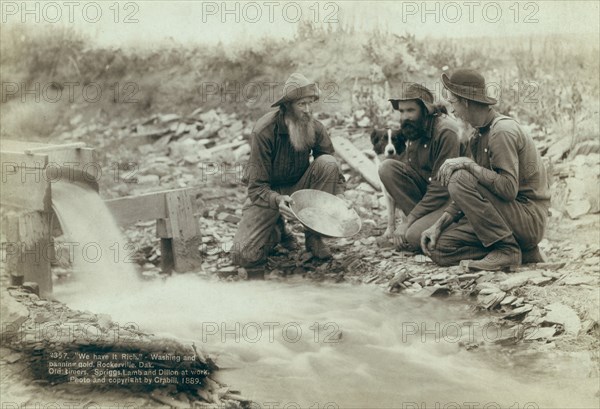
[297, 87]
[468, 84]
[415, 91]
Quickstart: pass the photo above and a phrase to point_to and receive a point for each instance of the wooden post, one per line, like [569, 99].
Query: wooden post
[163, 230]
[175, 224]
[184, 229]
[28, 252]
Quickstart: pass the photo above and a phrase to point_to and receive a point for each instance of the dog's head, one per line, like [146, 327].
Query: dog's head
[388, 142]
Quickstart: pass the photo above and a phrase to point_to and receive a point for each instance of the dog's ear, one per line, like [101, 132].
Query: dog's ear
[399, 141]
[397, 134]
[440, 109]
[374, 136]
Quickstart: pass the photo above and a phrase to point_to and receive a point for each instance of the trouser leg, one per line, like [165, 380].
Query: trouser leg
[324, 174]
[458, 242]
[403, 183]
[494, 218]
[488, 220]
[413, 233]
[256, 236]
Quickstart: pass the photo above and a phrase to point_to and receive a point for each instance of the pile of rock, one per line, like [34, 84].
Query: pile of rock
[54, 344]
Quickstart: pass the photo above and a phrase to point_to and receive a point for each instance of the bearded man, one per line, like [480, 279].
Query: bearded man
[431, 138]
[281, 146]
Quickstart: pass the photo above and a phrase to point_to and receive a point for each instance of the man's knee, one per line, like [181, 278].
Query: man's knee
[413, 236]
[441, 255]
[327, 164]
[461, 181]
[247, 255]
[390, 171]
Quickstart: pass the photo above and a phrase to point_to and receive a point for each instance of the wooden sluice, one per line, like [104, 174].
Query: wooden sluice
[27, 173]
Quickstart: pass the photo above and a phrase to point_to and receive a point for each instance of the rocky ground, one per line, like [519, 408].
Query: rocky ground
[553, 305]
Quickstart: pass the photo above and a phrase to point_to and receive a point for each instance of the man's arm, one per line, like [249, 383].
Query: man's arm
[324, 146]
[430, 237]
[258, 172]
[503, 181]
[447, 146]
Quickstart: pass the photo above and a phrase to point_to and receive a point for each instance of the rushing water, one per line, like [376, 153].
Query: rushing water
[97, 248]
[293, 343]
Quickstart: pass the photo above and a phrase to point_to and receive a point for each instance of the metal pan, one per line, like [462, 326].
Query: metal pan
[325, 213]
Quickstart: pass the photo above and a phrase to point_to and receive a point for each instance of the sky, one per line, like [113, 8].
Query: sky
[149, 23]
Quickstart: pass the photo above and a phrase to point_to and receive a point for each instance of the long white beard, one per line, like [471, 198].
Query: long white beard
[302, 133]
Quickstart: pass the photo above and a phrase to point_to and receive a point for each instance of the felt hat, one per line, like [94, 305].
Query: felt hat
[297, 87]
[415, 91]
[468, 84]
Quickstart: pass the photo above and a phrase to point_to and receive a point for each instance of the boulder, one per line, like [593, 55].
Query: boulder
[13, 313]
[564, 315]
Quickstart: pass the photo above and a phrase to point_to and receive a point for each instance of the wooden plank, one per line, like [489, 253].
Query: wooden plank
[24, 183]
[11, 159]
[179, 209]
[163, 229]
[357, 160]
[167, 263]
[12, 248]
[59, 165]
[186, 237]
[131, 209]
[148, 206]
[34, 240]
[18, 146]
[50, 148]
[84, 158]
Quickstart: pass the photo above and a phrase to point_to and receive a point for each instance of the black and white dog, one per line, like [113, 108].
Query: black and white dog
[388, 144]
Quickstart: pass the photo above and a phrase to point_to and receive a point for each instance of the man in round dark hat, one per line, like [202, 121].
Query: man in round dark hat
[500, 198]
[282, 142]
[431, 138]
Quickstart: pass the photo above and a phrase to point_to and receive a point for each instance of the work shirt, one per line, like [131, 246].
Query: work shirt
[274, 162]
[427, 154]
[519, 173]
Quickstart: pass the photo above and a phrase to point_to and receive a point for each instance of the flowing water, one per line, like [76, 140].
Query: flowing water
[297, 344]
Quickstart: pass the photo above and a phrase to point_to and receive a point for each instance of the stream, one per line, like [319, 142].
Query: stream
[294, 343]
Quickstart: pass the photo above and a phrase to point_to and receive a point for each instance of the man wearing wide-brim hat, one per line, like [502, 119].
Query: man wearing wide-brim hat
[500, 198]
[431, 138]
[282, 143]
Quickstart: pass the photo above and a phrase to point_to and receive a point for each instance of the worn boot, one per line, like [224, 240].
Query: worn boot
[534, 255]
[505, 255]
[288, 240]
[314, 244]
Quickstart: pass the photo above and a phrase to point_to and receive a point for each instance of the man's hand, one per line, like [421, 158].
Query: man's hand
[284, 202]
[400, 234]
[429, 239]
[450, 166]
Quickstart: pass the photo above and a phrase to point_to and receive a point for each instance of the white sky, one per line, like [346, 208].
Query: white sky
[205, 21]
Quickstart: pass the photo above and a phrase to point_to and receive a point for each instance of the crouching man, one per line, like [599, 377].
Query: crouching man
[431, 138]
[281, 145]
[500, 198]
